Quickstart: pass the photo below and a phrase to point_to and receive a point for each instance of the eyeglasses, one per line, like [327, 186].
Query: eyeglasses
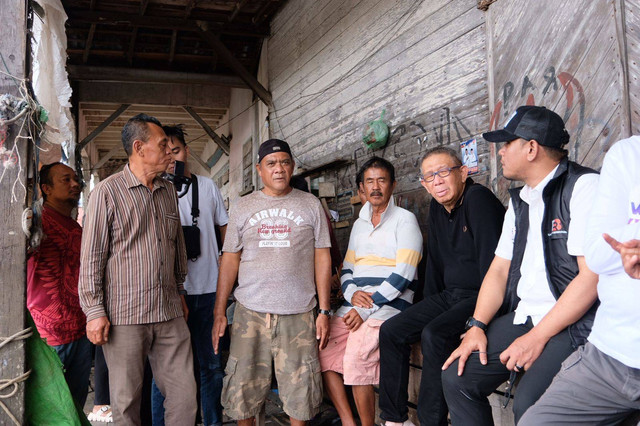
[443, 173]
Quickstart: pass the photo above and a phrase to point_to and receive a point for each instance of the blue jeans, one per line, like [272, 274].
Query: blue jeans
[200, 323]
[76, 359]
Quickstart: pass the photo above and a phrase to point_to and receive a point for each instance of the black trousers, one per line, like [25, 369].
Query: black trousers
[437, 321]
[466, 395]
[101, 379]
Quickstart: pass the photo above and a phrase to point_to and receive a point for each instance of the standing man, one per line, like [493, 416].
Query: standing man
[538, 276]
[378, 279]
[52, 278]
[465, 220]
[600, 383]
[133, 266]
[277, 246]
[200, 283]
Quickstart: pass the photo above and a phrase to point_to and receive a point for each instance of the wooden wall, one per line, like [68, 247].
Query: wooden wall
[444, 72]
[335, 65]
[566, 56]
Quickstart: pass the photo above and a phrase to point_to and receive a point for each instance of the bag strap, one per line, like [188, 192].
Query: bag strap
[195, 211]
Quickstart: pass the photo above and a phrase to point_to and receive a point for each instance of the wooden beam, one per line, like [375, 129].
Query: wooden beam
[239, 5]
[235, 65]
[13, 169]
[125, 75]
[224, 146]
[190, 25]
[92, 30]
[172, 48]
[101, 127]
[189, 7]
[103, 160]
[262, 12]
[134, 33]
[89, 42]
[199, 161]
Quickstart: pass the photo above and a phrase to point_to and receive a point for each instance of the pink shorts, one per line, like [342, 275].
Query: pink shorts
[355, 355]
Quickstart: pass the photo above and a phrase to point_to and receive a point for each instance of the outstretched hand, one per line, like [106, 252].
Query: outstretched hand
[629, 254]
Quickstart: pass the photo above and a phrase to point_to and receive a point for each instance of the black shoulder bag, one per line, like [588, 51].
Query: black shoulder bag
[192, 233]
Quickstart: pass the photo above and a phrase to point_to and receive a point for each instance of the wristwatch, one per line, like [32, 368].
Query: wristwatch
[472, 322]
[328, 313]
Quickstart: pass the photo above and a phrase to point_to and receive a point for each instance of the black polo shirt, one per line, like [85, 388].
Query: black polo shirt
[461, 244]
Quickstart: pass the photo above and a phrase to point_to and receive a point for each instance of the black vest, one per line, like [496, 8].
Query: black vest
[556, 220]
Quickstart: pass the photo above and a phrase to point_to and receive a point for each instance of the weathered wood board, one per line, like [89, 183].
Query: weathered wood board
[13, 172]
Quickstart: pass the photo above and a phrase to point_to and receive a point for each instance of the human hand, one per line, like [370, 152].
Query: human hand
[362, 299]
[629, 254]
[523, 352]
[352, 320]
[322, 330]
[98, 330]
[474, 341]
[219, 328]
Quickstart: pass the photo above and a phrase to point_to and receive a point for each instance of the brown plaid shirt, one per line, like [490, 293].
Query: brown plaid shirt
[133, 260]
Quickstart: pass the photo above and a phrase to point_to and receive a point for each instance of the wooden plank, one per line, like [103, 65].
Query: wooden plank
[224, 146]
[88, 43]
[202, 164]
[13, 169]
[189, 25]
[100, 128]
[235, 65]
[453, 40]
[118, 149]
[196, 95]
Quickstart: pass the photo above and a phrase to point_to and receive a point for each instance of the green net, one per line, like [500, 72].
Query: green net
[47, 397]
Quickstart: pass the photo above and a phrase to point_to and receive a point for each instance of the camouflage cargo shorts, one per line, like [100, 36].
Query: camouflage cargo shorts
[257, 340]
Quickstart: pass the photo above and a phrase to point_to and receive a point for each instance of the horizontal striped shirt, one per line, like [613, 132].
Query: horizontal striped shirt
[133, 259]
[382, 260]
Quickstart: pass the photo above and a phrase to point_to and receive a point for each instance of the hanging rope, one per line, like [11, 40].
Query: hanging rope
[6, 383]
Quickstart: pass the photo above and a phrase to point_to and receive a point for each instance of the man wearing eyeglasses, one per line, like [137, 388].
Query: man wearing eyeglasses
[465, 220]
[536, 304]
[277, 245]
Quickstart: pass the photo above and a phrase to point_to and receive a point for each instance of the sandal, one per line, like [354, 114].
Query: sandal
[102, 415]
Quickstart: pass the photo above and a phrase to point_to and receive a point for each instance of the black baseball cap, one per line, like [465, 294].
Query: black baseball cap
[271, 146]
[532, 122]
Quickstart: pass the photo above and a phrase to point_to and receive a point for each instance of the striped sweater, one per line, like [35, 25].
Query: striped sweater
[382, 260]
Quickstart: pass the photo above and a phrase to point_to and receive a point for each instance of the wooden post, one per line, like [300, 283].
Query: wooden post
[13, 168]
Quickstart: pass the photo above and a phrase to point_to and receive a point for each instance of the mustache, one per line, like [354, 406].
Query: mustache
[375, 194]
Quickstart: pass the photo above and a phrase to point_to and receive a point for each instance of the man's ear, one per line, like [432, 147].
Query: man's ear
[45, 189]
[137, 147]
[533, 149]
[464, 171]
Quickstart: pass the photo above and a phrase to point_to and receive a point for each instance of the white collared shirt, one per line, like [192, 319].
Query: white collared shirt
[616, 211]
[536, 299]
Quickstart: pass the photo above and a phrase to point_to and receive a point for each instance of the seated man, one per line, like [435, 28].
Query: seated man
[379, 268]
[465, 220]
[538, 276]
[600, 382]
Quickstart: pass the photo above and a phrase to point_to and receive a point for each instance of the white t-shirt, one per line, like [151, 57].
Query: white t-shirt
[616, 211]
[202, 276]
[536, 299]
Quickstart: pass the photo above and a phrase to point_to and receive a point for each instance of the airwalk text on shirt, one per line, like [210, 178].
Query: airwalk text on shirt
[274, 226]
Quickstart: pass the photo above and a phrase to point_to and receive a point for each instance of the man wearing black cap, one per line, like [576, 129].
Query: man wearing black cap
[536, 302]
[277, 245]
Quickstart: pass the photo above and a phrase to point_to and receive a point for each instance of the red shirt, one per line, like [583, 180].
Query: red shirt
[52, 280]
